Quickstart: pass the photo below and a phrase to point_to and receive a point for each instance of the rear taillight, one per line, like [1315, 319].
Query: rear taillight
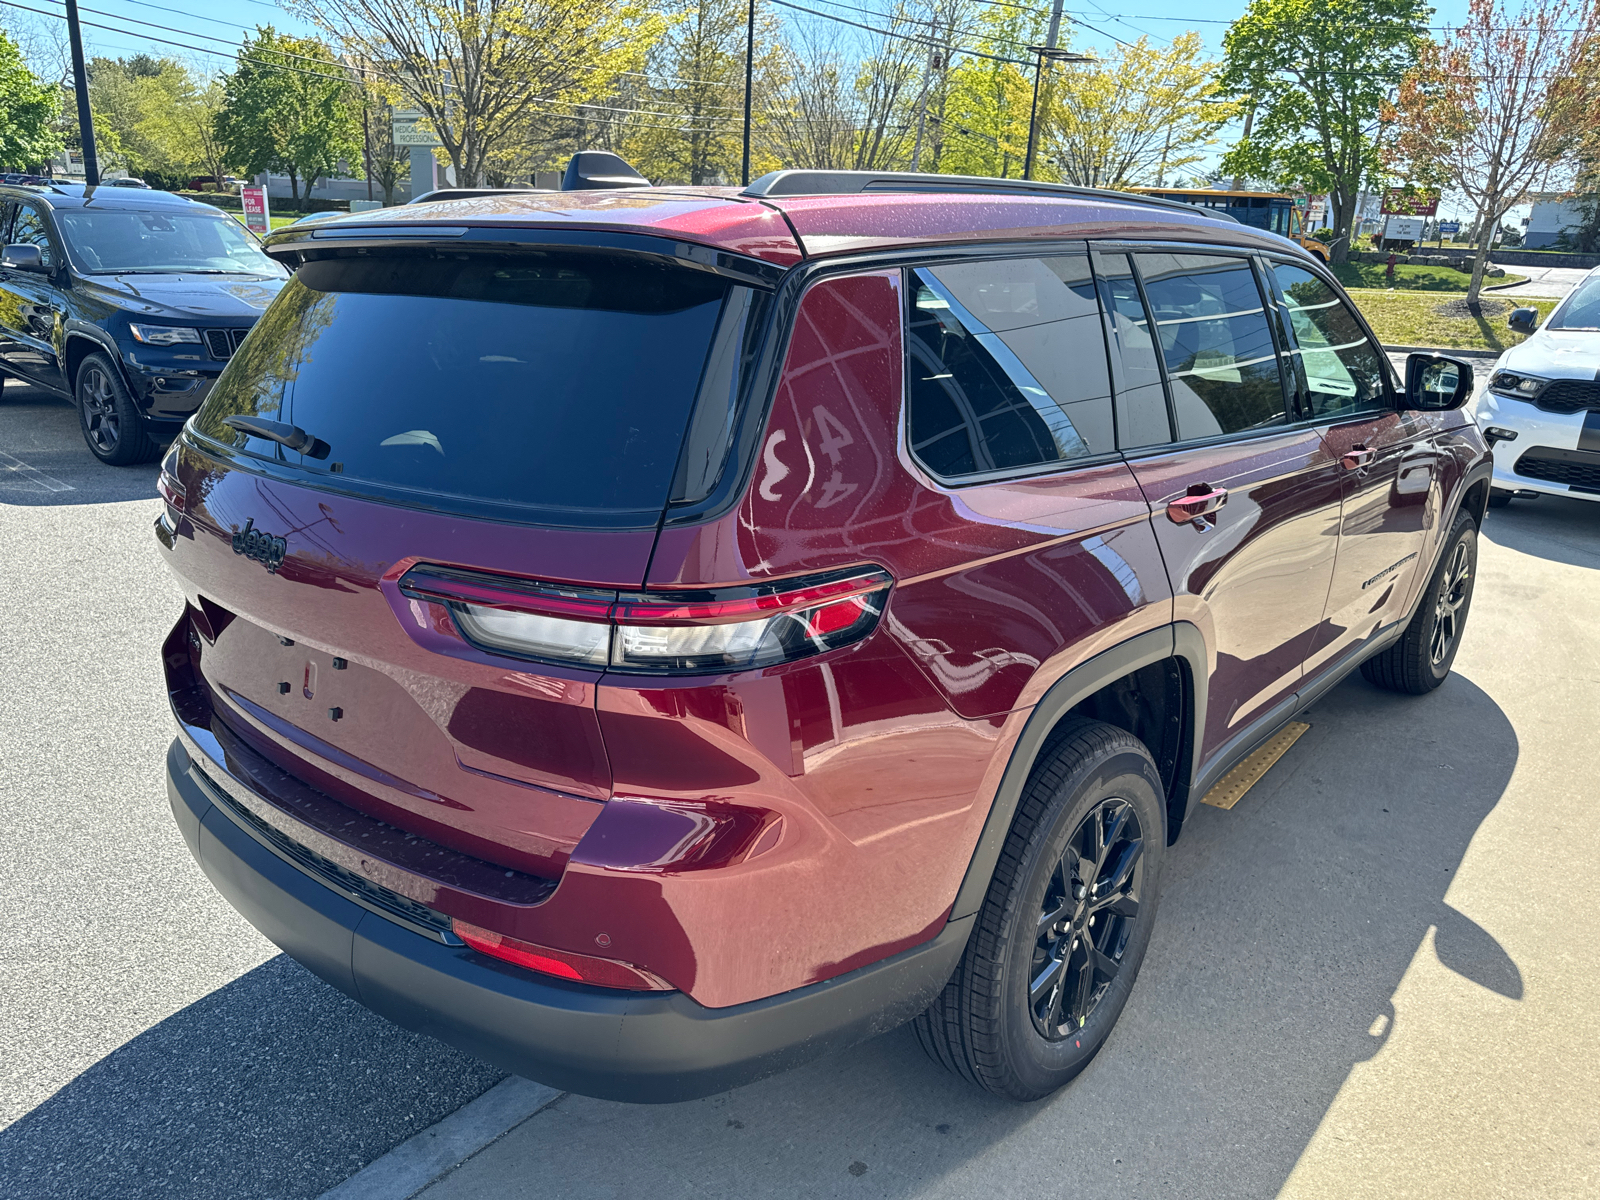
[580, 968]
[167, 482]
[682, 632]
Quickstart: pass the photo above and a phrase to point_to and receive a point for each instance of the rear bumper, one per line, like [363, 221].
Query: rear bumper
[634, 1046]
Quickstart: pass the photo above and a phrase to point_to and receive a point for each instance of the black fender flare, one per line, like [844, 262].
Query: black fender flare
[1180, 640]
[102, 341]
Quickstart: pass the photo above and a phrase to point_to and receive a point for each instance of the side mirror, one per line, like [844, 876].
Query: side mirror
[1435, 383]
[23, 257]
[1524, 320]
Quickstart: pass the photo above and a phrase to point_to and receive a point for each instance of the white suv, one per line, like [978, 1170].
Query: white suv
[1540, 410]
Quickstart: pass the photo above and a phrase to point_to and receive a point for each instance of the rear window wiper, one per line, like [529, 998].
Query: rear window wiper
[291, 436]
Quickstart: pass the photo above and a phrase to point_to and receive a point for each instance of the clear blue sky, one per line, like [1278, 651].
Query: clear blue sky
[208, 30]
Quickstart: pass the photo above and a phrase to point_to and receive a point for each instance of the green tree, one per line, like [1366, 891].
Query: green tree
[28, 109]
[695, 133]
[984, 125]
[1316, 74]
[1142, 114]
[289, 107]
[479, 69]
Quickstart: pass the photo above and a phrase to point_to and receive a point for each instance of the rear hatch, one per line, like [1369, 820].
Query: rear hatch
[522, 414]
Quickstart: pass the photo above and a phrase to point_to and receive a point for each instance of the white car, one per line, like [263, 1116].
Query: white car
[1540, 409]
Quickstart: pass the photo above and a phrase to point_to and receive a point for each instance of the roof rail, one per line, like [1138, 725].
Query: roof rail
[848, 183]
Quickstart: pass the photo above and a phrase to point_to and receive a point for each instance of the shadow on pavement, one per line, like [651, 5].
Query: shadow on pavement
[1285, 928]
[1553, 527]
[45, 462]
[182, 1110]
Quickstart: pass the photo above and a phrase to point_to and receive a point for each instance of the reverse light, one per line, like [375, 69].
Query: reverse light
[163, 335]
[680, 632]
[580, 968]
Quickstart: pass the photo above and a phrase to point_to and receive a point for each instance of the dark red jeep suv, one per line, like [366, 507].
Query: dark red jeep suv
[649, 638]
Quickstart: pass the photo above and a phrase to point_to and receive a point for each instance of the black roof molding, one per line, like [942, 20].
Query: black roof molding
[848, 183]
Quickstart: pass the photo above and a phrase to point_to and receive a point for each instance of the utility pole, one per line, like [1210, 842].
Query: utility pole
[935, 59]
[749, 76]
[1050, 54]
[80, 84]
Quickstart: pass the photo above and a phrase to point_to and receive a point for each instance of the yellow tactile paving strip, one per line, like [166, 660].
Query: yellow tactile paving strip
[1230, 789]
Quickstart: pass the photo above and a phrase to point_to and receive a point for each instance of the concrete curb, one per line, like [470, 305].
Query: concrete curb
[1443, 350]
[423, 1158]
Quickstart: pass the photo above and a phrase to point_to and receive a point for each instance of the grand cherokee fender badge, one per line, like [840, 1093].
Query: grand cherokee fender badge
[265, 548]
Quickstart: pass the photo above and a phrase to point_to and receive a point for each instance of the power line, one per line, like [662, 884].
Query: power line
[905, 37]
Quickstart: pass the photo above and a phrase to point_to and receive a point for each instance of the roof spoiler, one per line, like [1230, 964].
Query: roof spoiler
[590, 170]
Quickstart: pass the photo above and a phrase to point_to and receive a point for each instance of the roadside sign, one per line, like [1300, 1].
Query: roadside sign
[1403, 229]
[1409, 202]
[408, 129]
[1450, 228]
[254, 201]
[1317, 209]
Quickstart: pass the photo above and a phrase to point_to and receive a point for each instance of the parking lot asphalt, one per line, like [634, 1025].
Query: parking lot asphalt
[1544, 283]
[154, 1044]
[1375, 976]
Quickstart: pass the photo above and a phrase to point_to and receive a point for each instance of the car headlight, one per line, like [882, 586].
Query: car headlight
[163, 335]
[1514, 383]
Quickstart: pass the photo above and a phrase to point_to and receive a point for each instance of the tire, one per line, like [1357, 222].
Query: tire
[1023, 1013]
[111, 424]
[1421, 659]
[1498, 498]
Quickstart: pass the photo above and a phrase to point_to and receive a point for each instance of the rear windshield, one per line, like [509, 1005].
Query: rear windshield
[557, 384]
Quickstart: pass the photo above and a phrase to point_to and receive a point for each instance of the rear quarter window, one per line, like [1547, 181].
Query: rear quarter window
[556, 387]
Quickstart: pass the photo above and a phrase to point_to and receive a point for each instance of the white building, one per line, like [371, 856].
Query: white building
[1552, 213]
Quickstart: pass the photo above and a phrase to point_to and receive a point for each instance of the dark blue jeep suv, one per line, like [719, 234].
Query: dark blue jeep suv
[129, 302]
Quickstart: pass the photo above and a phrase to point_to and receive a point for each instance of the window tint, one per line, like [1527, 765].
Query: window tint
[30, 230]
[559, 383]
[1342, 369]
[1007, 366]
[1142, 418]
[7, 208]
[1221, 364]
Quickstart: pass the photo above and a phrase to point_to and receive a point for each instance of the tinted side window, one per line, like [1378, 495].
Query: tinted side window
[1006, 365]
[1343, 370]
[31, 230]
[1221, 363]
[1142, 418]
[7, 207]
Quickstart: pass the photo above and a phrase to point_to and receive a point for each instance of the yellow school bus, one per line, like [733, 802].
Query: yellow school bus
[1277, 212]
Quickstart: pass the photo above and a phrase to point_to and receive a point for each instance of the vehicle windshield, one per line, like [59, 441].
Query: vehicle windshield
[111, 241]
[1582, 309]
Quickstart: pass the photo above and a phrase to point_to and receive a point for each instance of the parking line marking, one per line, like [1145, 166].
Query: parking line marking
[15, 469]
[421, 1159]
[1230, 789]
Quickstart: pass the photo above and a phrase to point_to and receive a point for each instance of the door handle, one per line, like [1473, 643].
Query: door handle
[1201, 500]
[1357, 457]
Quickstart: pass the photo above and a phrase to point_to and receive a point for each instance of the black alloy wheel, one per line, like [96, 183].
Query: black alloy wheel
[111, 424]
[1448, 614]
[1089, 911]
[1058, 940]
[1422, 657]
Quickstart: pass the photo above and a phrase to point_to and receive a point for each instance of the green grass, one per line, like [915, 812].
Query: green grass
[1411, 278]
[1410, 319]
[277, 222]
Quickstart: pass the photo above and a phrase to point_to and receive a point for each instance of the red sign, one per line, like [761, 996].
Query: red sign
[1409, 202]
[254, 200]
